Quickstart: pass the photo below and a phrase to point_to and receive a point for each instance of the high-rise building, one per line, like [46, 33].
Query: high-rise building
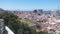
[54, 13]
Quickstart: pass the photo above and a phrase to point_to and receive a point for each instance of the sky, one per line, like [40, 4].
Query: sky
[29, 4]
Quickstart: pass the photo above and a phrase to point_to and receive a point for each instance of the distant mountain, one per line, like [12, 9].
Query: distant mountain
[47, 12]
[1, 11]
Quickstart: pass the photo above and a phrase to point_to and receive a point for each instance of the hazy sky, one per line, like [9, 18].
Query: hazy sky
[29, 4]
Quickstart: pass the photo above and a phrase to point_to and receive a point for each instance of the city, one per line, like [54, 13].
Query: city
[29, 16]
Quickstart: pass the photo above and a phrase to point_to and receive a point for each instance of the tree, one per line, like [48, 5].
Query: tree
[42, 32]
[11, 21]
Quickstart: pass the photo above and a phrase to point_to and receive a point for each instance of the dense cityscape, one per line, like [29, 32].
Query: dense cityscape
[29, 16]
[44, 21]
[38, 20]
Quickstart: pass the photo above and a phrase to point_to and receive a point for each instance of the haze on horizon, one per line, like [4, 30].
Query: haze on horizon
[29, 4]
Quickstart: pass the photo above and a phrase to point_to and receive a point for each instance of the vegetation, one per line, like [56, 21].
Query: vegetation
[17, 26]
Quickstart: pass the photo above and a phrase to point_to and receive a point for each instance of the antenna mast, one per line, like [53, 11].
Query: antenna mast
[58, 4]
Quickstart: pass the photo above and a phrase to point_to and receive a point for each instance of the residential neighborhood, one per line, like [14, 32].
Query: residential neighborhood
[29, 16]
